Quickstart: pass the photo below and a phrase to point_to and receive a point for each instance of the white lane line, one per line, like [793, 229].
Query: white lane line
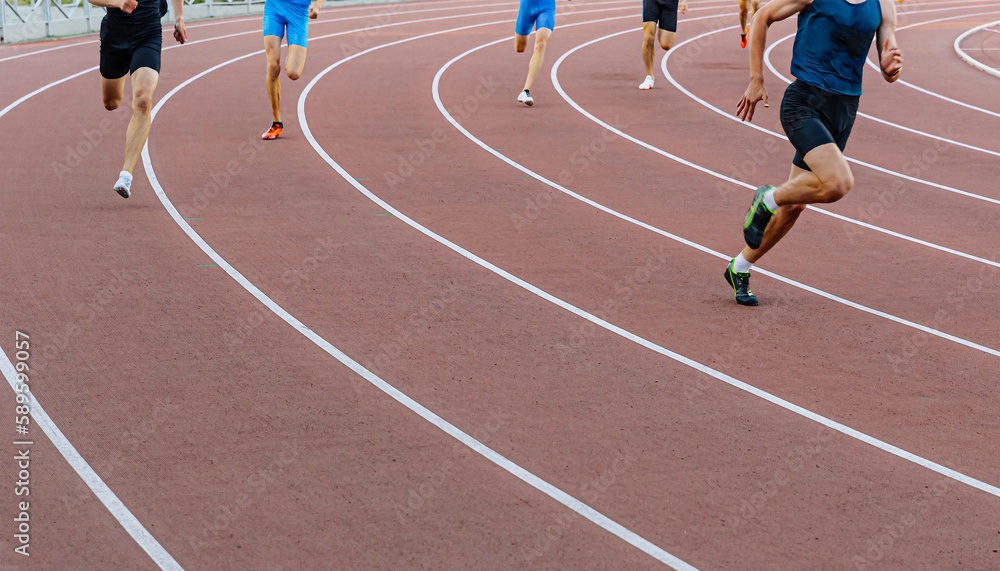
[453, 431]
[666, 72]
[770, 66]
[238, 19]
[750, 186]
[615, 213]
[21, 100]
[969, 59]
[127, 520]
[875, 67]
[107, 497]
[832, 297]
[369, 28]
[938, 468]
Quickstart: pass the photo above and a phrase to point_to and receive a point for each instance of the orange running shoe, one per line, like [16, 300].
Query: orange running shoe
[743, 39]
[273, 132]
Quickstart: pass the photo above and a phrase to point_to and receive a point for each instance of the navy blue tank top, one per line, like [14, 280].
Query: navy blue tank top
[831, 44]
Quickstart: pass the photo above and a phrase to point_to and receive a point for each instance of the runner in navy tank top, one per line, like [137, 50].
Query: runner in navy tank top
[817, 112]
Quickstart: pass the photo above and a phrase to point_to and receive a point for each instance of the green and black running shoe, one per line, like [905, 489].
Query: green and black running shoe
[757, 218]
[740, 283]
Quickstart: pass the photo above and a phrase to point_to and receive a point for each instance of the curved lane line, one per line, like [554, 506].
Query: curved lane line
[930, 465]
[101, 490]
[114, 505]
[969, 59]
[238, 19]
[666, 72]
[524, 475]
[872, 65]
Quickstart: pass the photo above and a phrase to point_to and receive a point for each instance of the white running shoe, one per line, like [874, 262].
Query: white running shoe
[648, 84]
[124, 184]
[525, 98]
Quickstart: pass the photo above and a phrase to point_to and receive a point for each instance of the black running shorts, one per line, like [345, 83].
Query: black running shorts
[812, 117]
[663, 12]
[128, 45]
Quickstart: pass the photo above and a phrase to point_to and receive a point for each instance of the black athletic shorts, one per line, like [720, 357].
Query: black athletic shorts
[663, 12]
[127, 45]
[812, 117]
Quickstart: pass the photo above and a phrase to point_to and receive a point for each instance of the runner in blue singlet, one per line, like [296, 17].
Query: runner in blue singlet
[817, 112]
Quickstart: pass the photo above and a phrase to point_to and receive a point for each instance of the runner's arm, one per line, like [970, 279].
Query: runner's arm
[180, 32]
[889, 57]
[772, 12]
[123, 5]
[315, 8]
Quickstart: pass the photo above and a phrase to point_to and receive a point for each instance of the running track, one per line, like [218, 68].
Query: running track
[428, 327]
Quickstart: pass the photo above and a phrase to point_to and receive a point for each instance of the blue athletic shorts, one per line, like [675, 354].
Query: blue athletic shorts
[535, 14]
[281, 14]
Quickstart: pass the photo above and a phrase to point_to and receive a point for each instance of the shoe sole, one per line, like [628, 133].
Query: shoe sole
[122, 192]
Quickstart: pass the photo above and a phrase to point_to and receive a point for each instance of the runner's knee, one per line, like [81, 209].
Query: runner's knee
[273, 70]
[294, 74]
[836, 188]
[112, 103]
[142, 102]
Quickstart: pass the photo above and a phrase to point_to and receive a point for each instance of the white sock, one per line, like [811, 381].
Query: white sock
[769, 200]
[126, 176]
[740, 265]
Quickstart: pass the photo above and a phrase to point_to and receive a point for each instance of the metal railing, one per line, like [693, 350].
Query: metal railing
[22, 20]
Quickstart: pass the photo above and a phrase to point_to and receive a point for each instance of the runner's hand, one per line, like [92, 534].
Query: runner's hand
[755, 93]
[180, 33]
[684, 6]
[892, 60]
[313, 12]
[128, 5]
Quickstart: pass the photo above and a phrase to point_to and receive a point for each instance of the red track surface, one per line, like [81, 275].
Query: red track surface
[239, 443]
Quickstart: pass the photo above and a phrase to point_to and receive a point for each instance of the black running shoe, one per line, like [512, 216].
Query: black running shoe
[757, 218]
[741, 286]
